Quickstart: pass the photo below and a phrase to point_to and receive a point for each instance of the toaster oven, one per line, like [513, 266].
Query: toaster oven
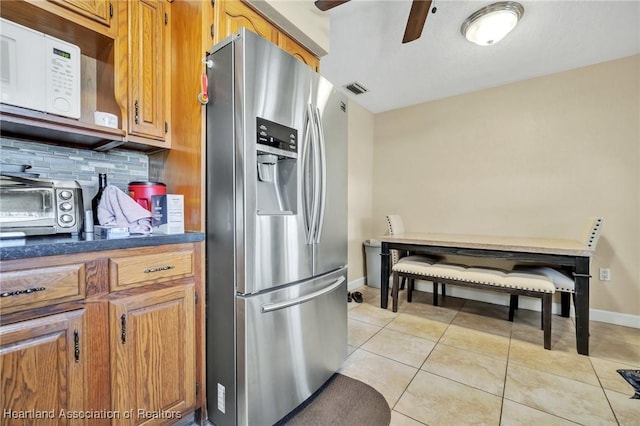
[30, 206]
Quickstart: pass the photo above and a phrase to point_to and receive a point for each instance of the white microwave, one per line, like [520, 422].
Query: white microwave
[38, 71]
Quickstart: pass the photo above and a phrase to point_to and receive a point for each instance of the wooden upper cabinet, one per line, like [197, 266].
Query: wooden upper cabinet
[41, 369]
[147, 68]
[98, 10]
[153, 353]
[299, 52]
[234, 14]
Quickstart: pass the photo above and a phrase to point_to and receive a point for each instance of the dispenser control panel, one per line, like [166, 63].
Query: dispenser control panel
[277, 136]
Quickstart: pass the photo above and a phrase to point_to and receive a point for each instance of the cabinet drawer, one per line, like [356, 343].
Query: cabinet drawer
[139, 270]
[35, 288]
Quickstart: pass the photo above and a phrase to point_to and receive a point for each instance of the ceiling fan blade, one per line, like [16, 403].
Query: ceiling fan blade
[417, 18]
[324, 5]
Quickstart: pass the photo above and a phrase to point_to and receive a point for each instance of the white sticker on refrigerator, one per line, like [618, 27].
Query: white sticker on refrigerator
[221, 397]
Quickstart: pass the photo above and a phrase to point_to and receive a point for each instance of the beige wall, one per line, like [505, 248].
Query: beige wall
[534, 158]
[360, 187]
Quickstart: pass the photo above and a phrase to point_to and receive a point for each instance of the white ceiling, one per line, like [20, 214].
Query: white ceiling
[553, 36]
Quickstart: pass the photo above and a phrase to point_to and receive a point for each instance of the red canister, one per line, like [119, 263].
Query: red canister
[142, 192]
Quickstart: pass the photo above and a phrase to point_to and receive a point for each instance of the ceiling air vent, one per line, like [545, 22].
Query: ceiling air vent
[356, 88]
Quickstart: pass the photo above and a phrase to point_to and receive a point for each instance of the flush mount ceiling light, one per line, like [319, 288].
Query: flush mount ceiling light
[490, 24]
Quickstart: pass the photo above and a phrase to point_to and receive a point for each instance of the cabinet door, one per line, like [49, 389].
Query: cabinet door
[41, 366]
[299, 52]
[98, 10]
[153, 354]
[232, 15]
[147, 109]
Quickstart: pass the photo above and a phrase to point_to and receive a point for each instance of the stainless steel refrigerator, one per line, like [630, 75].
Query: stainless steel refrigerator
[276, 225]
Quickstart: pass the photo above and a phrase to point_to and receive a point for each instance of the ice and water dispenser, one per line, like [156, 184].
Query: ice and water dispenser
[277, 156]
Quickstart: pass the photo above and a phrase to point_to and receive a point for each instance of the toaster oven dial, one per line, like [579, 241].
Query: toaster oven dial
[66, 218]
[65, 195]
[66, 206]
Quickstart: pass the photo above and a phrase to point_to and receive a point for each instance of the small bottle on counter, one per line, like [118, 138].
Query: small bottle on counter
[102, 183]
[88, 225]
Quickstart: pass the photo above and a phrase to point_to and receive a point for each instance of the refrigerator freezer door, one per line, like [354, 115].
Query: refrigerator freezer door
[296, 341]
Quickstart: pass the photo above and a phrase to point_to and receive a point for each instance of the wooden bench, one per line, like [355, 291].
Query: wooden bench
[515, 283]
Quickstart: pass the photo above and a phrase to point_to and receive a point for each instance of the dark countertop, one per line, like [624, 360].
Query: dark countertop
[28, 247]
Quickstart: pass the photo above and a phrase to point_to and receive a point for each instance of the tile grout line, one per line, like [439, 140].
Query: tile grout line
[457, 315]
[506, 371]
[554, 374]
[418, 369]
[604, 391]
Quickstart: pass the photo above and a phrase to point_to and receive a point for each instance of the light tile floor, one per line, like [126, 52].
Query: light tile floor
[464, 363]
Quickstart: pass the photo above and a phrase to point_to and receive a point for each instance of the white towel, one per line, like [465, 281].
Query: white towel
[116, 208]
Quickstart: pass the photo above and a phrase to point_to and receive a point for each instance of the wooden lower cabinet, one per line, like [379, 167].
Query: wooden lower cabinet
[152, 339]
[42, 370]
[130, 351]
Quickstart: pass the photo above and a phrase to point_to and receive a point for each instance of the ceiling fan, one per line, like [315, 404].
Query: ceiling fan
[415, 23]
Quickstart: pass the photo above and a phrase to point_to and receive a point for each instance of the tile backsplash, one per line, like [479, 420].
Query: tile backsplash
[56, 162]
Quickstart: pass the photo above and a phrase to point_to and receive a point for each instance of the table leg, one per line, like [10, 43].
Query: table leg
[581, 277]
[565, 304]
[385, 256]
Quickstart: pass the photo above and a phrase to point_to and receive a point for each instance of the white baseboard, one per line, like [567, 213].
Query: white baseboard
[359, 282]
[614, 318]
[529, 303]
[532, 304]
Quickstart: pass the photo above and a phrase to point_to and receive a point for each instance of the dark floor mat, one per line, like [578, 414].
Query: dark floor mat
[342, 401]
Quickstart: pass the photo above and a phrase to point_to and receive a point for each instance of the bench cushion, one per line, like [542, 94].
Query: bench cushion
[561, 280]
[414, 259]
[521, 280]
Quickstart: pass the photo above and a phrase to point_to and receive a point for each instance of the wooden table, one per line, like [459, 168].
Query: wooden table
[571, 255]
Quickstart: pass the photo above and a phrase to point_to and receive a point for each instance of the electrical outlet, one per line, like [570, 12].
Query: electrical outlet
[605, 274]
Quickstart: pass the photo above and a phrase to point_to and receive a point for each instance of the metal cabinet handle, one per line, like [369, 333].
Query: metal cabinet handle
[123, 328]
[19, 292]
[159, 269]
[136, 116]
[76, 345]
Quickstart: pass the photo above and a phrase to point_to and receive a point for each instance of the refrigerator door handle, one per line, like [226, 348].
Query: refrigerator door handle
[307, 181]
[323, 175]
[270, 307]
[316, 172]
